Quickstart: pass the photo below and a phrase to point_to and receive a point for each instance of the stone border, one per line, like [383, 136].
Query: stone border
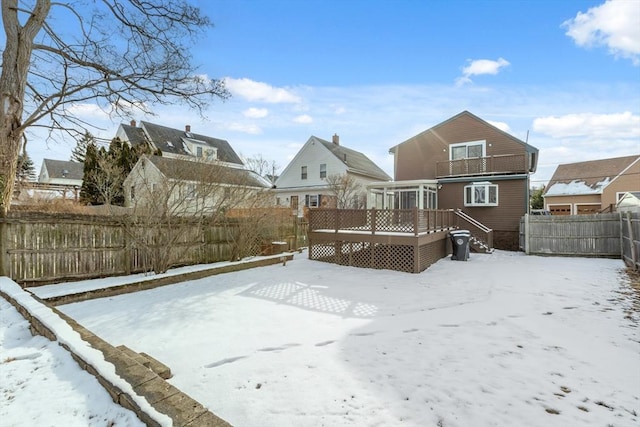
[162, 396]
[144, 285]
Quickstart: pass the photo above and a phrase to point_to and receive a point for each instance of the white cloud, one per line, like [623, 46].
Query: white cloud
[614, 24]
[249, 128]
[500, 125]
[617, 125]
[304, 119]
[88, 111]
[255, 113]
[481, 66]
[260, 92]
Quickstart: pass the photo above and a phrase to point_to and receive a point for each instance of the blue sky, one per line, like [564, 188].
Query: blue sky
[564, 74]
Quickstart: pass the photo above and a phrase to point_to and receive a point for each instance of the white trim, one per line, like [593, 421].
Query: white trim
[487, 189]
[482, 142]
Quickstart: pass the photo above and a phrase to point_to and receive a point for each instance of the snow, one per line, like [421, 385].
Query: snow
[69, 337]
[501, 339]
[42, 385]
[576, 187]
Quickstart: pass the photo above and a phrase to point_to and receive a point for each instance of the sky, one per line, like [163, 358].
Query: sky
[562, 75]
[319, 344]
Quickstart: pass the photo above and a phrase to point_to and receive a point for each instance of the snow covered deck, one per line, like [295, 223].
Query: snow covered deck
[404, 240]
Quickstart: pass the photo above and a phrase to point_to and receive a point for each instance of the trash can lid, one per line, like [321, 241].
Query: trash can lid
[454, 232]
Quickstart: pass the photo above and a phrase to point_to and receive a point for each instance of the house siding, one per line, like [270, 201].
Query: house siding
[629, 181]
[504, 219]
[416, 158]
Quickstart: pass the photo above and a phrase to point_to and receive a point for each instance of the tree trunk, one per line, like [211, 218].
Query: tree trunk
[16, 59]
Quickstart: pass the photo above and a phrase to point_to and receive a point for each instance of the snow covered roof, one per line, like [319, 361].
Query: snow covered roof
[590, 177]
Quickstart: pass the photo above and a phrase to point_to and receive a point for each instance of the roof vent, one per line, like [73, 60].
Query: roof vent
[170, 144]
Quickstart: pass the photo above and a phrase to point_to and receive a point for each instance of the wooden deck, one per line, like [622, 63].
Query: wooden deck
[402, 240]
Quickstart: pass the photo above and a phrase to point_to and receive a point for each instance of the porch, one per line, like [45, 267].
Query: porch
[408, 240]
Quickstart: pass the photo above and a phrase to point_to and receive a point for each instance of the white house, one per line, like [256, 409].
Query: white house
[176, 143]
[303, 183]
[61, 172]
[185, 187]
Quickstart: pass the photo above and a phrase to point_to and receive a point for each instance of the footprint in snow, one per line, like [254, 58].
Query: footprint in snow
[224, 361]
[282, 347]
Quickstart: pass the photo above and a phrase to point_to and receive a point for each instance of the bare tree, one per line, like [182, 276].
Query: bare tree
[171, 200]
[263, 167]
[122, 55]
[347, 191]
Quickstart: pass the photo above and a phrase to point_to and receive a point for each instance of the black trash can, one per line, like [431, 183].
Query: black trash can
[460, 244]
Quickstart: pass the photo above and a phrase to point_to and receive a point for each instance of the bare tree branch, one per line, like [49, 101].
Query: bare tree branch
[122, 55]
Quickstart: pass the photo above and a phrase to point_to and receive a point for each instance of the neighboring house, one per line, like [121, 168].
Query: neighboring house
[58, 179]
[464, 163]
[593, 186]
[303, 183]
[175, 143]
[629, 202]
[61, 172]
[184, 187]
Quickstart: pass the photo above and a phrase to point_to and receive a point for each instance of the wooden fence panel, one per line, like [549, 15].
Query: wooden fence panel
[38, 248]
[572, 235]
[630, 242]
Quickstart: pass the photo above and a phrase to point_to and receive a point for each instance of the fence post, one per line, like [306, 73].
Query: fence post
[634, 256]
[526, 233]
[4, 248]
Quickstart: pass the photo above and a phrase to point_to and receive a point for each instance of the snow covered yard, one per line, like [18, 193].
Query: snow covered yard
[41, 385]
[503, 339]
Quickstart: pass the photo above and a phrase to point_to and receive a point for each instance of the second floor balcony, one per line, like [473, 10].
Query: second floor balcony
[480, 166]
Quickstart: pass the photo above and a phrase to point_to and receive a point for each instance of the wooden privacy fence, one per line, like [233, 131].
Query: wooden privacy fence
[39, 248]
[613, 235]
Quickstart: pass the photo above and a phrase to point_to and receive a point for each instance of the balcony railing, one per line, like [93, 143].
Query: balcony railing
[491, 165]
[372, 221]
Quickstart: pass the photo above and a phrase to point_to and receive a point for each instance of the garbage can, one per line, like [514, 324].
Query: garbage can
[460, 244]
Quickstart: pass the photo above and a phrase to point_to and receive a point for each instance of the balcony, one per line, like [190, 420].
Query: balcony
[506, 164]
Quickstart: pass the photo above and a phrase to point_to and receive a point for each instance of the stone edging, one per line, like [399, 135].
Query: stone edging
[165, 280]
[162, 396]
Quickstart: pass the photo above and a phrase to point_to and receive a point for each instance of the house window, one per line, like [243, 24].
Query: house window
[199, 152]
[133, 192]
[210, 154]
[311, 200]
[303, 172]
[323, 170]
[189, 191]
[467, 150]
[481, 194]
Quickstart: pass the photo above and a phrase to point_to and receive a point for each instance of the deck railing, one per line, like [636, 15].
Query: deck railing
[372, 221]
[491, 165]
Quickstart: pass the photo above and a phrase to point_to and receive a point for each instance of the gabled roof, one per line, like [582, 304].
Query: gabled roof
[589, 177]
[187, 170]
[529, 148]
[173, 141]
[62, 169]
[355, 161]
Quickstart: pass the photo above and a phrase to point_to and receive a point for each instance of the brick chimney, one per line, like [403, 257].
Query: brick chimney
[132, 123]
[187, 128]
[336, 139]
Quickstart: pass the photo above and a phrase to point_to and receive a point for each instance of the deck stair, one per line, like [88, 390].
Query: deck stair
[481, 240]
